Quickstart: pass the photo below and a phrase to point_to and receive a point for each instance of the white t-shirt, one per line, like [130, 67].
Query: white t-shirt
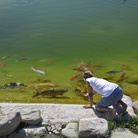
[101, 86]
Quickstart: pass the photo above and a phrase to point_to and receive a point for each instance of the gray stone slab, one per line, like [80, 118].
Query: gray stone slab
[70, 131]
[123, 133]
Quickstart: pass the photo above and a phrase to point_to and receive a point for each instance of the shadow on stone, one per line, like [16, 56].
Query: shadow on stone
[109, 116]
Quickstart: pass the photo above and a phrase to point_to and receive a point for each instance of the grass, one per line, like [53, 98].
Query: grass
[131, 125]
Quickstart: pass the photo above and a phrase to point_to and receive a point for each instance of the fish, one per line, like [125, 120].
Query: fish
[88, 69]
[5, 57]
[81, 90]
[13, 85]
[123, 64]
[40, 80]
[114, 71]
[9, 76]
[3, 64]
[78, 69]
[79, 65]
[38, 71]
[43, 86]
[75, 76]
[50, 92]
[77, 90]
[122, 75]
[22, 59]
[44, 80]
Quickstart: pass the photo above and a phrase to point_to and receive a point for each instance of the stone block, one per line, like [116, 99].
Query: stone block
[70, 131]
[9, 123]
[92, 127]
[135, 107]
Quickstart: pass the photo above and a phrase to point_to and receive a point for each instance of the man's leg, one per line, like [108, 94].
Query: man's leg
[113, 111]
[120, 107]
[123, 105]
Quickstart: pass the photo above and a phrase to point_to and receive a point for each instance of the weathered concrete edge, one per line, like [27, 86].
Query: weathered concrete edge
[48, 104]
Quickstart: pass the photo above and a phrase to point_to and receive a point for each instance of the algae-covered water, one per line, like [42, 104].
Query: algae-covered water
[55, 35]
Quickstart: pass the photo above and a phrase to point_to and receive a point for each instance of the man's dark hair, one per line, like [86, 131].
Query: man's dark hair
[88, 74]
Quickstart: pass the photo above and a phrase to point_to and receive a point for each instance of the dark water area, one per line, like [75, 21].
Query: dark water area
[54, 35]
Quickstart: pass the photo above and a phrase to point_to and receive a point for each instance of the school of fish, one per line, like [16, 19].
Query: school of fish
[44, 87]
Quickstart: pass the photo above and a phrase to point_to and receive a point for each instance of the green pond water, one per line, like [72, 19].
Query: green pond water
[56, 35]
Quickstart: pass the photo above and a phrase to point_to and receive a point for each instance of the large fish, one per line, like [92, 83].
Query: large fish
[13, 85]
[38, 71]
[50, 92]
[43, 86]
[114, 71]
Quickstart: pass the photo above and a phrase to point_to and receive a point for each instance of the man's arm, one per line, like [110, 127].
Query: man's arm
[90, 94]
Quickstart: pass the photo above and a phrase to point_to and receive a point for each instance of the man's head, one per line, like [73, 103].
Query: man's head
[87, 74]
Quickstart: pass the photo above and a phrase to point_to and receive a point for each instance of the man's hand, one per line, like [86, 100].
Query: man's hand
[87, 106]
[87, 94]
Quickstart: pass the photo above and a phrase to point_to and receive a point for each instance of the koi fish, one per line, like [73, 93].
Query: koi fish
[50, 92]
[38, 71]
[77, 90]
[40, 80]
[78, 69]
[81, 90]
[3, 64]
[42, 86]
[22, 59]
[79, 65]
[75, 76]
[88, 69]
[13, 85]
[48, 85]
[114, 71]
[122, 75]
[5, 57]
[44, 80]
[123, 64]
[9, 76]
